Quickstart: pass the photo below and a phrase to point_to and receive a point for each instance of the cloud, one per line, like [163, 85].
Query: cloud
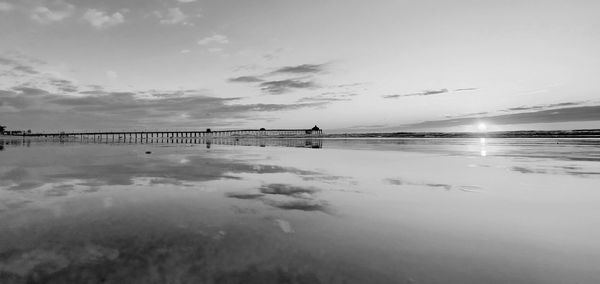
[242, 195]
[569, 114]
[478, 114]
[284, 86]
[523, 108]
[15, 100]
[30, 91]
[7, 61]
[25, 69]
[423, 93]
[18, 59]
[304, 68]
[214, 39]
[44, 101]
[366, 126]
[231, 109]
[429, 93]
[329, 97]
[465, 89]
[36, 108]
[5, 7]
[541, 107]
[184, 51]
[245, 79]
[60, 10]
[322, 99]
[173, 16]
[101, 20]
[286, 189]
[347, 85]
[64, 85]
[339, 94]
[274, 54]
[24, 73]
[41, 101]
[186, 1]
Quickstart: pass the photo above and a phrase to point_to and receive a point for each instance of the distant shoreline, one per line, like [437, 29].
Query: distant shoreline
[579, 133]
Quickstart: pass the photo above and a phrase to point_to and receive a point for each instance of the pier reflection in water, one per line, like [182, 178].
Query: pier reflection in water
[314, 143]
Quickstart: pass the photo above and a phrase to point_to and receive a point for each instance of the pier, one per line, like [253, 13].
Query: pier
[171, 134]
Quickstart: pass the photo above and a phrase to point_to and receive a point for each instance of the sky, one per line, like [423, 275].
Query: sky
[344, 65]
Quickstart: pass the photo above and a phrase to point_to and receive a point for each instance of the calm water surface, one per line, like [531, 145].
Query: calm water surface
[296, 211]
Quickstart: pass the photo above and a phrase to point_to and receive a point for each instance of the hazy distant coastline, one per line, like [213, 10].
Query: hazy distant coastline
[579, 133]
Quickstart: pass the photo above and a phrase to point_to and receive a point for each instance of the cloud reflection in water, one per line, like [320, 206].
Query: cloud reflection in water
[465, 188]
[287, 197]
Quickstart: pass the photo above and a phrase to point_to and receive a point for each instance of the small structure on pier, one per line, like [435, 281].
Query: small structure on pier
[314, 130]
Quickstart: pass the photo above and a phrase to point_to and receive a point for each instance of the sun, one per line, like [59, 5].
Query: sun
[481, 126]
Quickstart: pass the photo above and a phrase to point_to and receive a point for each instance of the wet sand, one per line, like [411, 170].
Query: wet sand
[348, 211]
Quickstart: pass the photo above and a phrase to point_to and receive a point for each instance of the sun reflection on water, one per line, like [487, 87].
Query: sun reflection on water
[483, 151]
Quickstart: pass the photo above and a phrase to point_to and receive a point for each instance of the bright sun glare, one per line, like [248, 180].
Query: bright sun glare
[482, 126]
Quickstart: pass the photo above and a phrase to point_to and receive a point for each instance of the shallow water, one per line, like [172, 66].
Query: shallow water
[301, 211]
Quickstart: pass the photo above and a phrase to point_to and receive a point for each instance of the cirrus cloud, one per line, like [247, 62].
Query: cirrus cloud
[58, 12]
[423, 93]
[245, 79]
[101, 20]
[283, 86]
[172, 16]
[214, 39]
[304, 68]
[429, 93]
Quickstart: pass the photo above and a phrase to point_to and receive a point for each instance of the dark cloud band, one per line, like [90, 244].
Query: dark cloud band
[423, 93]
[570, 114]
